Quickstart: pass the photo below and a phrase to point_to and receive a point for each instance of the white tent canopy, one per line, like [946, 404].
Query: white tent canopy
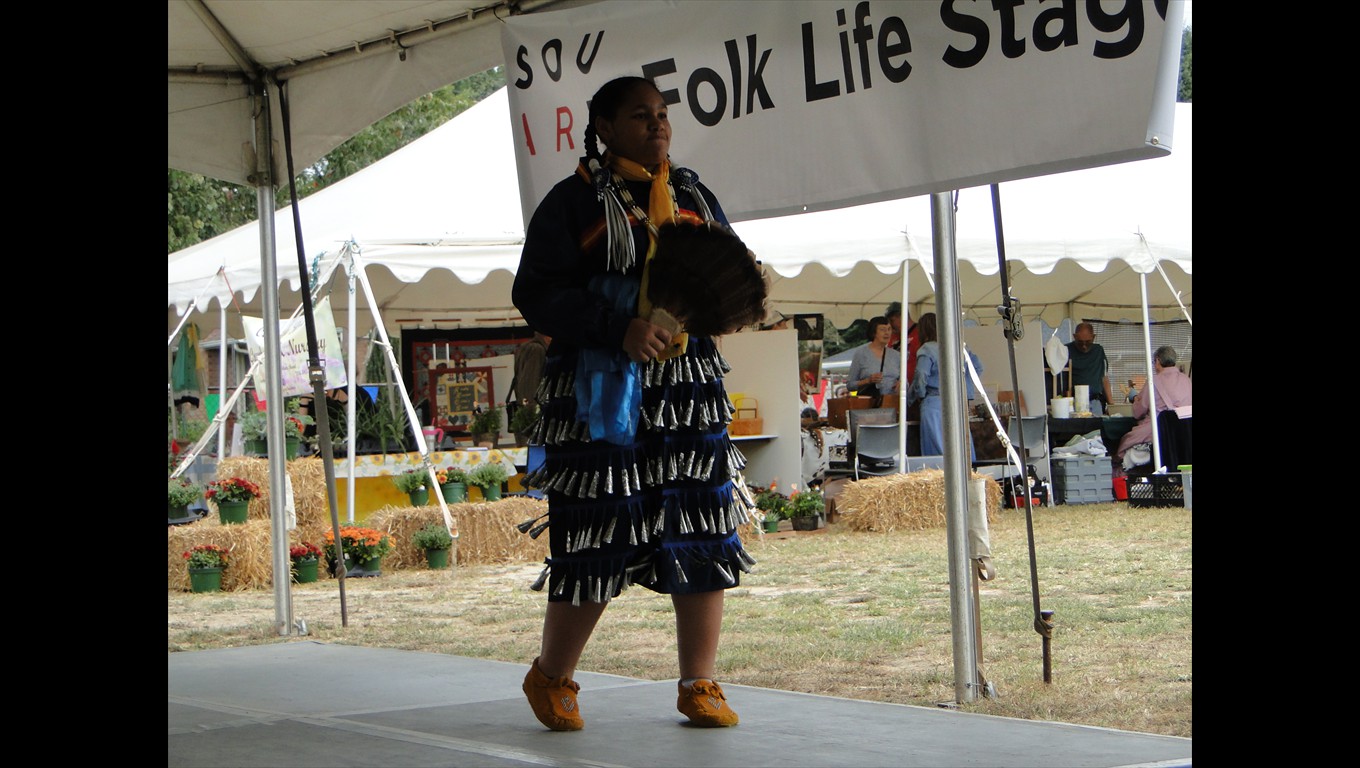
[1075, 243]
[439, 221]
[438, 216]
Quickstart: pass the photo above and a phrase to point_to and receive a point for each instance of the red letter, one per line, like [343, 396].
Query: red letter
[564, 129]
[528, 136]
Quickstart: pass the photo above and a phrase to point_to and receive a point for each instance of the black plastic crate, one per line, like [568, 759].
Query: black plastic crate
[1156, 490]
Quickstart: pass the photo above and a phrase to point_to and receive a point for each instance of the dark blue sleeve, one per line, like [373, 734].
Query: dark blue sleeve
[550, 288]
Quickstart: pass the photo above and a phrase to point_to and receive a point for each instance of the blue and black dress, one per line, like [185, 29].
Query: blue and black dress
[660, 507]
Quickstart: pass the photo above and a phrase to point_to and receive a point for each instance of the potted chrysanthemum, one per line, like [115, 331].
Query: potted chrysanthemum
[436, 541]
[773, 507]
[488, 477]
[453, 484]
[806, 508]
[206, 562]
[413, 484]
[182, 494]
[362, 548]
[232, 496]
[304, 558]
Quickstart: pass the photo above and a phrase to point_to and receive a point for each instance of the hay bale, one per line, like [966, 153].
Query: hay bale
[249, 563]
[486, 531]
[911, 501]
[308, 476]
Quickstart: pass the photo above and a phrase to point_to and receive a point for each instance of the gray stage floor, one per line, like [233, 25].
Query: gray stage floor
[271, 705]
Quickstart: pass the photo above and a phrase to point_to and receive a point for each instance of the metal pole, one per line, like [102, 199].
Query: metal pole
[902, 382]
[222, 354]
[957, 464]
[1152, 374]
[349, 406]
[263, 178]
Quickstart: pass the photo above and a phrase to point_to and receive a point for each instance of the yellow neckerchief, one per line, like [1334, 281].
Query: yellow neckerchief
[660, 209]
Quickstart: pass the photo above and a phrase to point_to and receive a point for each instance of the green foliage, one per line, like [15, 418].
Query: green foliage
[254, 425]
[487, 476]
[183, 493]
[525, 418]
[432, 537]
[455, 475]
[207, 556]
[412, 480]
[201, 208]
[1183, 89]
[772, 503]
[191, 429]
[806, 504]
[486, 422]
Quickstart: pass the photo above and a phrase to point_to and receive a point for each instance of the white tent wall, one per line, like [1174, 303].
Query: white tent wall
[438, 222]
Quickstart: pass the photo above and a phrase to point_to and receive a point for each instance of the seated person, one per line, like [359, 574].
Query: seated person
[1173, 391]
[337, 400]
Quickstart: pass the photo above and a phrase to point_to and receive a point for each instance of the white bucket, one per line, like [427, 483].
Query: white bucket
[1061, 407]
[1082, 402]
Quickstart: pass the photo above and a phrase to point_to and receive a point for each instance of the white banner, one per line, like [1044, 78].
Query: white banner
[293, 350]
[792, 107]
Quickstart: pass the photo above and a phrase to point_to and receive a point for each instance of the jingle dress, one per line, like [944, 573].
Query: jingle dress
[659, 508]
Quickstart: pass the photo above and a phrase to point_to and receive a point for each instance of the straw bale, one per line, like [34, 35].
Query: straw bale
[308, 476]
[486, 531]
[249, 563]
[911, 501]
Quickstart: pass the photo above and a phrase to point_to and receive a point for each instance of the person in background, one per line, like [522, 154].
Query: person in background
[876, 366]
[337, 410]
[529, 359]
[1173, 391]
[659, 507]
[894, 315]
[925, 388]
[1090, 366]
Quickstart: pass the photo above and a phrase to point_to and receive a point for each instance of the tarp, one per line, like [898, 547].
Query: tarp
[439, 220]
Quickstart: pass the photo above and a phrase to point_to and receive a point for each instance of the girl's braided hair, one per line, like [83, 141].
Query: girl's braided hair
[605, 103]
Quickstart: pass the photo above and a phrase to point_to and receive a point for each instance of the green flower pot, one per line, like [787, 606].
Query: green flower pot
[492, 493]
[179, 512]
[305, 571]
[771, 526]
[260, 448]
[420, 497]
[232, 512]
[205, 579]
[454, 493]
[438, 559]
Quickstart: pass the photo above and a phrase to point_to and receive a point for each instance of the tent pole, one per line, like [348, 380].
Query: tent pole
[349, 406]
[1150, 386]
[411, 416]
[263, 179]
[221, 375]
[956, 465]
[902, 382]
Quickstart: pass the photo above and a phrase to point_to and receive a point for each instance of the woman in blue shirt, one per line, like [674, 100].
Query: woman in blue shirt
[925, 387]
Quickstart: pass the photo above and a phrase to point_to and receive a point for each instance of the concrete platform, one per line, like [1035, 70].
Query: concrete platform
[299, 704]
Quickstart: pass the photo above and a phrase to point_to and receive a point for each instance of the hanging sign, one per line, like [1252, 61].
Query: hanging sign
[293, 350]
[786, 108]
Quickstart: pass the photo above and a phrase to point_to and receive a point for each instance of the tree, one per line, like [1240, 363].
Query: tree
[1183, 91]
[201, 208]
